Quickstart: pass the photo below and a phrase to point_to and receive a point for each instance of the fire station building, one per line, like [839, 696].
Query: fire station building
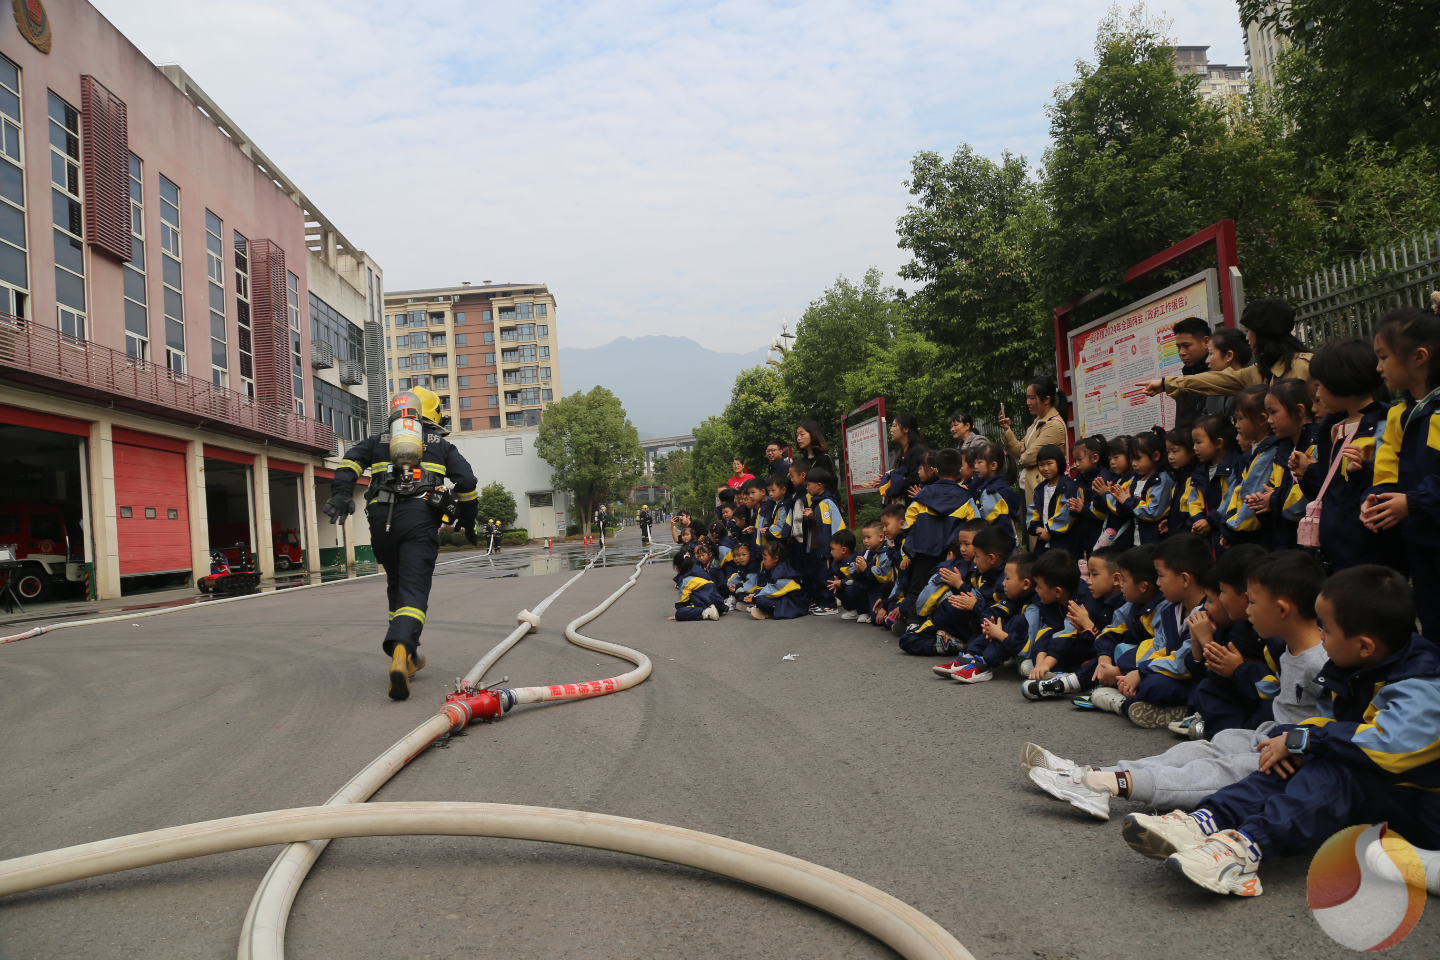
[186, 343]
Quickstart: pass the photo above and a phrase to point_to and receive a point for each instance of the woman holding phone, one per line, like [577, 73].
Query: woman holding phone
[1041, 399]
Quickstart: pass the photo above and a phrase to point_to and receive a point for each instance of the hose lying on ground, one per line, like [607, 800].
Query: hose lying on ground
[895, 923]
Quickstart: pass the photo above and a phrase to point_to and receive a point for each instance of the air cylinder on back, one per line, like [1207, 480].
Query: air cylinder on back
[407, 430]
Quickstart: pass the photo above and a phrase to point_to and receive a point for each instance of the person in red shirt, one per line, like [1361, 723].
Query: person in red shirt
[737, 481]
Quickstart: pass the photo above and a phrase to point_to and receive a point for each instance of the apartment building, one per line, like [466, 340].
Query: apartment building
[491, 352]
[157, 323]
[1263, 48]
[1219, 81]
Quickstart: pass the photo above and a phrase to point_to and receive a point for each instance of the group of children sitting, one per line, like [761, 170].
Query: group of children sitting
[1171, 581]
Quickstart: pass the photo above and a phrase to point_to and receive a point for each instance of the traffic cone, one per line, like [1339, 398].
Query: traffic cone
[548, 544]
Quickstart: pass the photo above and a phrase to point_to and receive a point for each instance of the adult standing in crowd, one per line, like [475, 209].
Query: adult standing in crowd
[738, 480]
[810, 442]
[903, 482]
[775, 453]
[1278, 355]
[1047, 427]
[963, 432]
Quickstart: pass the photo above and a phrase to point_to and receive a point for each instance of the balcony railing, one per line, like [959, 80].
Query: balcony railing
[43, 357]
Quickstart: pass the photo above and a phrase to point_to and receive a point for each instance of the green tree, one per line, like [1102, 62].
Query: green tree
[709, 465]
[497, 503]
[1378, 194]
[978, 329]
[1355, 71]
[592, 447]
[759, 413]
[837, 331]
[1140, 161]
[672, 471]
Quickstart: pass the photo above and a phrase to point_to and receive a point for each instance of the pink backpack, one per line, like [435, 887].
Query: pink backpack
[1308, 533]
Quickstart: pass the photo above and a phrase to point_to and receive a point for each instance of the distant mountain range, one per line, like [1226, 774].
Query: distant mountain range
[668, 385]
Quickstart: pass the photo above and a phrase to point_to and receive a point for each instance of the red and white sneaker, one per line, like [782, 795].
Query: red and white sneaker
[972, 673]
[948, 669]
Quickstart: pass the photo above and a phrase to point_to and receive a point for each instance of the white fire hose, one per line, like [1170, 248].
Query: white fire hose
[308, 830]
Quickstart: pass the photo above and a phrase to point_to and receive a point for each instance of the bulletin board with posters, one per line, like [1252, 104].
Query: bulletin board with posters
[1136, 343]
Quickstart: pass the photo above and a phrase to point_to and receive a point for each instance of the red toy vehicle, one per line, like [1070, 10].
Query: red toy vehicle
[225, 577]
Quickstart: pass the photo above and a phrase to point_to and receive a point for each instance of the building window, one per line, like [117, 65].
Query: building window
[488, 336]
[544, 373]
[485, 316]
[541, 310]
[544, 352]
[490, 379]
[292, 296]
[494, 423]
[507, 313]
[170, 276]
[345, 413]
[464, 381]
[465, 423]
[440, 360]
[460, 340]
[445, 403]
[346, 338]
[459, 319]
[437, 339]
[525, 311]
[547, 395]
[242, 315]
[69, 216]
[523, 418]
[493, 400]
[437, 318]
[215, 257]
[526, 331]
[137, 315]
[14, 264]
[442, 383]
[404, 383]
[464, 403]
[522, 375]
[509, 333]
[489, 359]
[542, 330]
[462, 360]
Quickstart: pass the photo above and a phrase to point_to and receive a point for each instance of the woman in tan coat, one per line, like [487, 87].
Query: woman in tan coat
[1047, 427]
[1279, 355]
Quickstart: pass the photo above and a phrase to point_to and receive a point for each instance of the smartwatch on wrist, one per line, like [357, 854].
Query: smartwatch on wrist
[1297, 740]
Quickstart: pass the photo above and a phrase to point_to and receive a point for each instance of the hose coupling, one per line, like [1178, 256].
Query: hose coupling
[525, 616]
[463, 709]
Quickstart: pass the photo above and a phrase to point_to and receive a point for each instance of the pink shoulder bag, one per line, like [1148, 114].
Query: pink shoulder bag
[1308, 533]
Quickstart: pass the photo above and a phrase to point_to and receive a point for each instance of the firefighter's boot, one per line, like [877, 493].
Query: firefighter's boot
[400, 673]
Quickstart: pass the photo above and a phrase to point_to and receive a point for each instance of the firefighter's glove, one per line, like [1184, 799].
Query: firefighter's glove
[337, 508]
[467, 527]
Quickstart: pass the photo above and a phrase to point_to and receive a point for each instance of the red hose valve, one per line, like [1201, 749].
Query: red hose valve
[464, 709]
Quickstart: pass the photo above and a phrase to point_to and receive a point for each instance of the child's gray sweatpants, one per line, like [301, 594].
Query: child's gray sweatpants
[1189, 772]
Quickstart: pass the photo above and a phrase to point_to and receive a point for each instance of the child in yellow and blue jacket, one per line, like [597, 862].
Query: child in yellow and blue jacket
[699, 599]
[1052, 525]
[822, 520]
[1264, 468]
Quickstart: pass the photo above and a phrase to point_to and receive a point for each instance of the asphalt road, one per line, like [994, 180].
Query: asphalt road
[853, 756]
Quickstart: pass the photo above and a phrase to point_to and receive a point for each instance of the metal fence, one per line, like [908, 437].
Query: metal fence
[1347, 299]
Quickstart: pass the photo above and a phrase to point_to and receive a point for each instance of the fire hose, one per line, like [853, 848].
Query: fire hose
[308, 830]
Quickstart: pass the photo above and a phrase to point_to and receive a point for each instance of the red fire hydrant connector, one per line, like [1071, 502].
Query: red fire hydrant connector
[464, 709]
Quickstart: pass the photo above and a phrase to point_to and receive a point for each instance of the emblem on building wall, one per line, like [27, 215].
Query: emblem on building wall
[34, 23]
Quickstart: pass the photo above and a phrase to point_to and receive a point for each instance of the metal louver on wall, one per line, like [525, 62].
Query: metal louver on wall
[322, 355]
[375, 370]
[270, 320]
[106, 158]
[352, 372]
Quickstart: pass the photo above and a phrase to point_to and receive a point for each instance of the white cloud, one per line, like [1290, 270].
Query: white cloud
[692, 169]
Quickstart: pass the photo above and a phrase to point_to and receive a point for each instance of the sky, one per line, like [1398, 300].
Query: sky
[699, 169]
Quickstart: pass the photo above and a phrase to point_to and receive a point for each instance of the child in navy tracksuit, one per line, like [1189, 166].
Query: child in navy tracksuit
[997, 503]
[892, 524]
[840, 575]
[1057, 649]
[1089, 458]
[778, 593]
[741, 578]
[1245, 522]
[1148, 504]
[873, 577]
[1157, 689]
[822, 521]
[1108, 504]
[1105, 607]
[1346, 375]
[1180, 455]
[1007, 631]
[794, 511]
[931, 522]
[922, 636]
[1406, 494]
[699, 597]
[1131, 629]
[1052, 524]
[1369, 757]
[979, 597]
[1217, 470]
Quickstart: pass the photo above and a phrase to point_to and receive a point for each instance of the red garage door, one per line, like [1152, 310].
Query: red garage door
[153, 516]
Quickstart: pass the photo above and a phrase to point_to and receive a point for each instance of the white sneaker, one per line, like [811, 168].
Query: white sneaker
[1107, 698]
[1074, 791]
[1025, 667]
[1157, 837]
[1191, 728]
[1228, 862]
[864, 618]
[710, 613]
[1032, 755]
[1383, 864]
[849, 615]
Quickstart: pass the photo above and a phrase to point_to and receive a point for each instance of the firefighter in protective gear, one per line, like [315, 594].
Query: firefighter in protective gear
[406, 503]
[493, 531]
[643, 520]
